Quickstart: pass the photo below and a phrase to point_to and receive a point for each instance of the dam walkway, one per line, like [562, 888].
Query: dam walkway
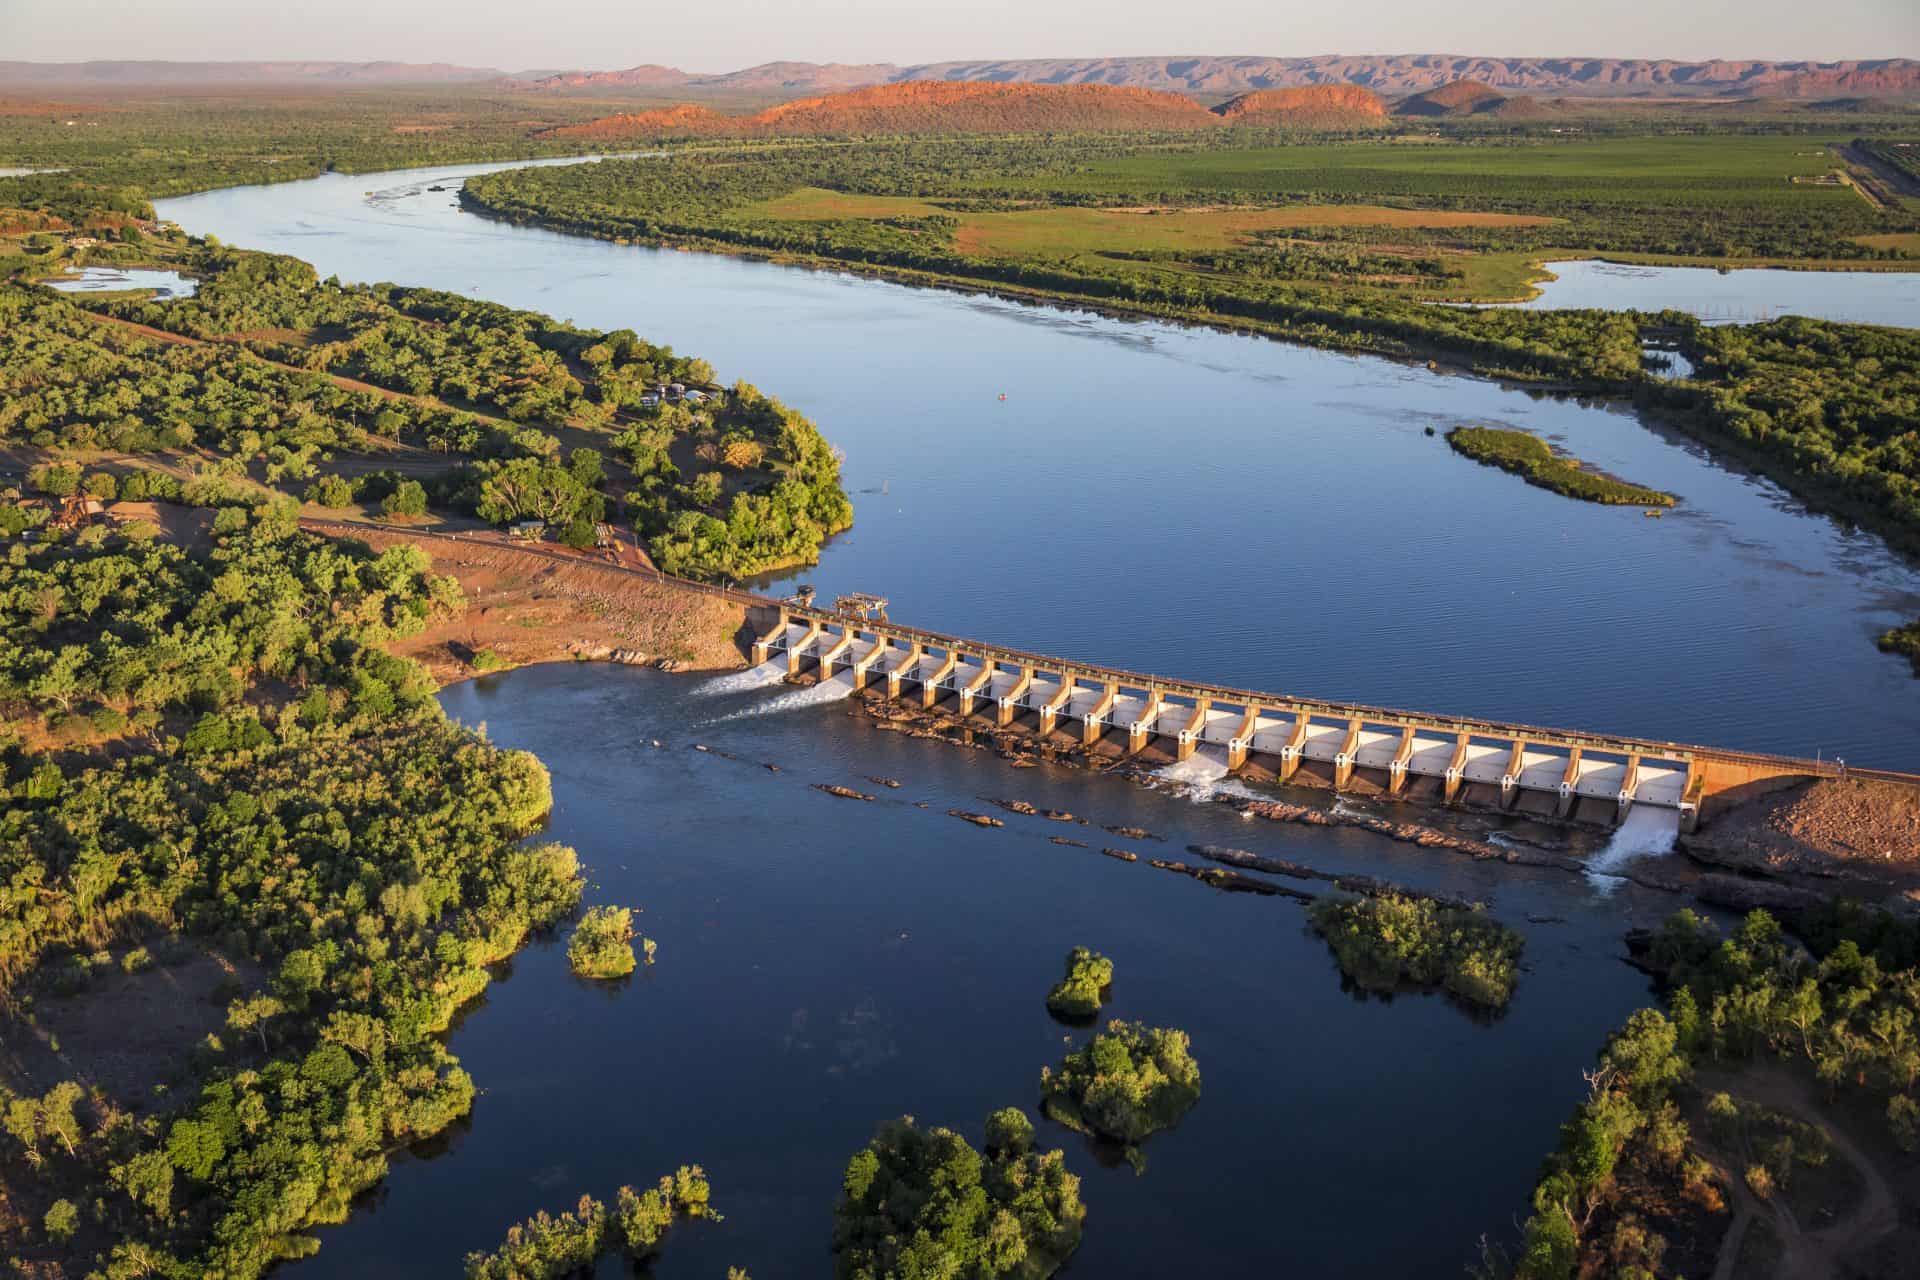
[1557, 773]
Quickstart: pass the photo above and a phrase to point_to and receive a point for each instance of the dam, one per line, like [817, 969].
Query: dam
[1557, 773]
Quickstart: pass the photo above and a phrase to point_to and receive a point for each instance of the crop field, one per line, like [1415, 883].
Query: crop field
[1646, 171]
[1061, 231]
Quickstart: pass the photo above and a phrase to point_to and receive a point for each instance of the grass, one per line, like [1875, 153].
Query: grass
[1067, 233]
[1534, 460]
[816, 204]
[1907, 242]
[1063, 231]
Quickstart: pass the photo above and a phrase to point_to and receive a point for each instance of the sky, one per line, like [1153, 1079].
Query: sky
[723, 35]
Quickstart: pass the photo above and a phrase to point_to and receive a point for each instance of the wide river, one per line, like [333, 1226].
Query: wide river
[1196, 503]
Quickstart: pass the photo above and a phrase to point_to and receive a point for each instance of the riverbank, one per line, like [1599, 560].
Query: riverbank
[527, 605]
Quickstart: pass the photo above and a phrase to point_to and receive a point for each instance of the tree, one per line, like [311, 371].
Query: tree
[526, 489]
[586, 466]
[253, 1014]
[57, 1118]
[56, 480]
[62, 1221]
[408, 498]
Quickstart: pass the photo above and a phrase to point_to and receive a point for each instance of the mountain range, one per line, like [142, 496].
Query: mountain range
[1392, 75]
[1401, 74]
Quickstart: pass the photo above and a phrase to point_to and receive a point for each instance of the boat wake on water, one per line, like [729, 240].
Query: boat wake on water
[1646, 833]
[770, 672]
[841, 686]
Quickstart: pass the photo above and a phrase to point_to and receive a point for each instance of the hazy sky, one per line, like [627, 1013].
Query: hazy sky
[719, 35]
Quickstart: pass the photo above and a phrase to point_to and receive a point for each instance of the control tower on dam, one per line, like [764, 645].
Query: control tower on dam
[1557, 773]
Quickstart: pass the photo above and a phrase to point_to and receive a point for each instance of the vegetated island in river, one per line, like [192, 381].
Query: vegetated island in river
[1389, 941]
[925, 1203]
[1078, 995]
[1528, 456]
[547, 1247]
[1127, 1084]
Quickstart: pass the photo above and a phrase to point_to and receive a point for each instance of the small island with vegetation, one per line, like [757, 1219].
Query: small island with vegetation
[1904, 641]
[1392, 941]
[1127, 1084]
[1535, 461]
[602, 943]
[924, 1203]
[1079, 994]
[548, 1247]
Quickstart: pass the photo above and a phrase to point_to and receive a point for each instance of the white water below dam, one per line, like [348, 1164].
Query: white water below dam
[767, 674]
[835, 690]
[1647, 832]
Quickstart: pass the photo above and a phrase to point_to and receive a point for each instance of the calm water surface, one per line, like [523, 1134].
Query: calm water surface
[1214, 506]
[1738, 297]
[165, 284]
[1161, 498]
[825, 965]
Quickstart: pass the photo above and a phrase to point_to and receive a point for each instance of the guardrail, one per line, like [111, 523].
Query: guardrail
[1183, 688]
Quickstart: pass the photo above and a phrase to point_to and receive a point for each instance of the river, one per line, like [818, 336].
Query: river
[1212, 506]
[1162, 498]
[827, 964]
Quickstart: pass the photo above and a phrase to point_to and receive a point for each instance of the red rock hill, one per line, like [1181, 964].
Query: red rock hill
[1461, 98]
[1330, 106]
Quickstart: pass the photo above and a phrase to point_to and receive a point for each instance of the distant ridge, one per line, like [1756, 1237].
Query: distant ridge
[193, 74]
[1386, 74]
[1392, 75]
[1416, 73]
[921, 107]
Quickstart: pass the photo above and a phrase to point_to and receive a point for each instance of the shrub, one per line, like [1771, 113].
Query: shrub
[335, 492]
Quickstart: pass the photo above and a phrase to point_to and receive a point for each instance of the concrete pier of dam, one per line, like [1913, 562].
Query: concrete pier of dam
[1556, 773]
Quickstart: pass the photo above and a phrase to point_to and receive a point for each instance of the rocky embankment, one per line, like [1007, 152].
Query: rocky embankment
[1836, 828]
